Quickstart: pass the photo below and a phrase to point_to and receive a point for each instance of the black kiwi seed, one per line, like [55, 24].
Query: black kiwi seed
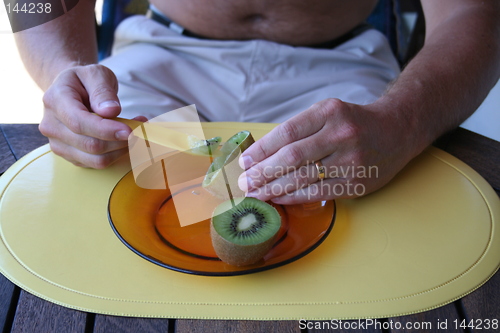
[256, 226]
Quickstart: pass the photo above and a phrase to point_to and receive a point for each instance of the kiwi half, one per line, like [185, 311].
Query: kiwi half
[244, 230]
[224, 185]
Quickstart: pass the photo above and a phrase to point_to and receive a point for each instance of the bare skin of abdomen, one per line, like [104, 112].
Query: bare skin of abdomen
[294, 22]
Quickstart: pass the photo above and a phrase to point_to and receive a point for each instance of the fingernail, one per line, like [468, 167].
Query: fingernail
[277, 200]
[245, 161]
[108, 104]
[122, 135]
[252, 194]
[245, 183]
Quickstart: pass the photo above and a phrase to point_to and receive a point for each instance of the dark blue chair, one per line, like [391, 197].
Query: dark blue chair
[388, 18]
[113, 12]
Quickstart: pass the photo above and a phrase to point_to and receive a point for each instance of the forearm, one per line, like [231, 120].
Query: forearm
[448, 79]
[64, 42]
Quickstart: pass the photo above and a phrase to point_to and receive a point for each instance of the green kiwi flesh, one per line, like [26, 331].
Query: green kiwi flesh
[214, 181]
[244, 233]
[204, 147]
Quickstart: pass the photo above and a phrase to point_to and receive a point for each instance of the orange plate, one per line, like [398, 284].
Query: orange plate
[147, 223]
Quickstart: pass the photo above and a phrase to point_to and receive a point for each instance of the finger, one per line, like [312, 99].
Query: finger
[73, 114]
[83, 159]
[64, 102]
[289, 183]
[296, 128]
[92, 145]
[298, 178]
[287, 159]
[328, 189]
[102, 89]
[93, 125]
[141, 118]
[72, 126]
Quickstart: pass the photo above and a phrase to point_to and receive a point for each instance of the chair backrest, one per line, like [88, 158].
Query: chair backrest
[387, 17]
[113, 12]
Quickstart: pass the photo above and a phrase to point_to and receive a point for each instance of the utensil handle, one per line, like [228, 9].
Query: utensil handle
[129, 122]
[162, 136]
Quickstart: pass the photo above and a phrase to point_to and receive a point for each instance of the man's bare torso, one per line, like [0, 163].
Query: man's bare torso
[294, 22]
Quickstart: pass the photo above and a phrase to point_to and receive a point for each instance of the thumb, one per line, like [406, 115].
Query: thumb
[102, 88]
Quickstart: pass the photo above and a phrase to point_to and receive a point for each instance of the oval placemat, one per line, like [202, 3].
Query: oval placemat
[426, 239]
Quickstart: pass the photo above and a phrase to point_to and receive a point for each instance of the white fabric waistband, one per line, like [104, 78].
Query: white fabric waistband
[253, 81]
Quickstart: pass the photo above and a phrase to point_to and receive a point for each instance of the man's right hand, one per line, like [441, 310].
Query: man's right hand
[74, 131]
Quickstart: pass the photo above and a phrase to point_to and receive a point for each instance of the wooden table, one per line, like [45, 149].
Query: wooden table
[23, 312]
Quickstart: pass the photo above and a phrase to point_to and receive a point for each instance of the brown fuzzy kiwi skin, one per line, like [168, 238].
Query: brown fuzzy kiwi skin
[239, 255]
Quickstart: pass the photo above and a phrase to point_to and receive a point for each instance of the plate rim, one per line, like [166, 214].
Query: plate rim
[204, 273]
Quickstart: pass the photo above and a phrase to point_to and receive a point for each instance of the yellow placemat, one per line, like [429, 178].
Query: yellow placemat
[426, 239]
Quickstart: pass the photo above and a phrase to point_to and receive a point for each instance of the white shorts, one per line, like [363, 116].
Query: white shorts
[160, 70]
